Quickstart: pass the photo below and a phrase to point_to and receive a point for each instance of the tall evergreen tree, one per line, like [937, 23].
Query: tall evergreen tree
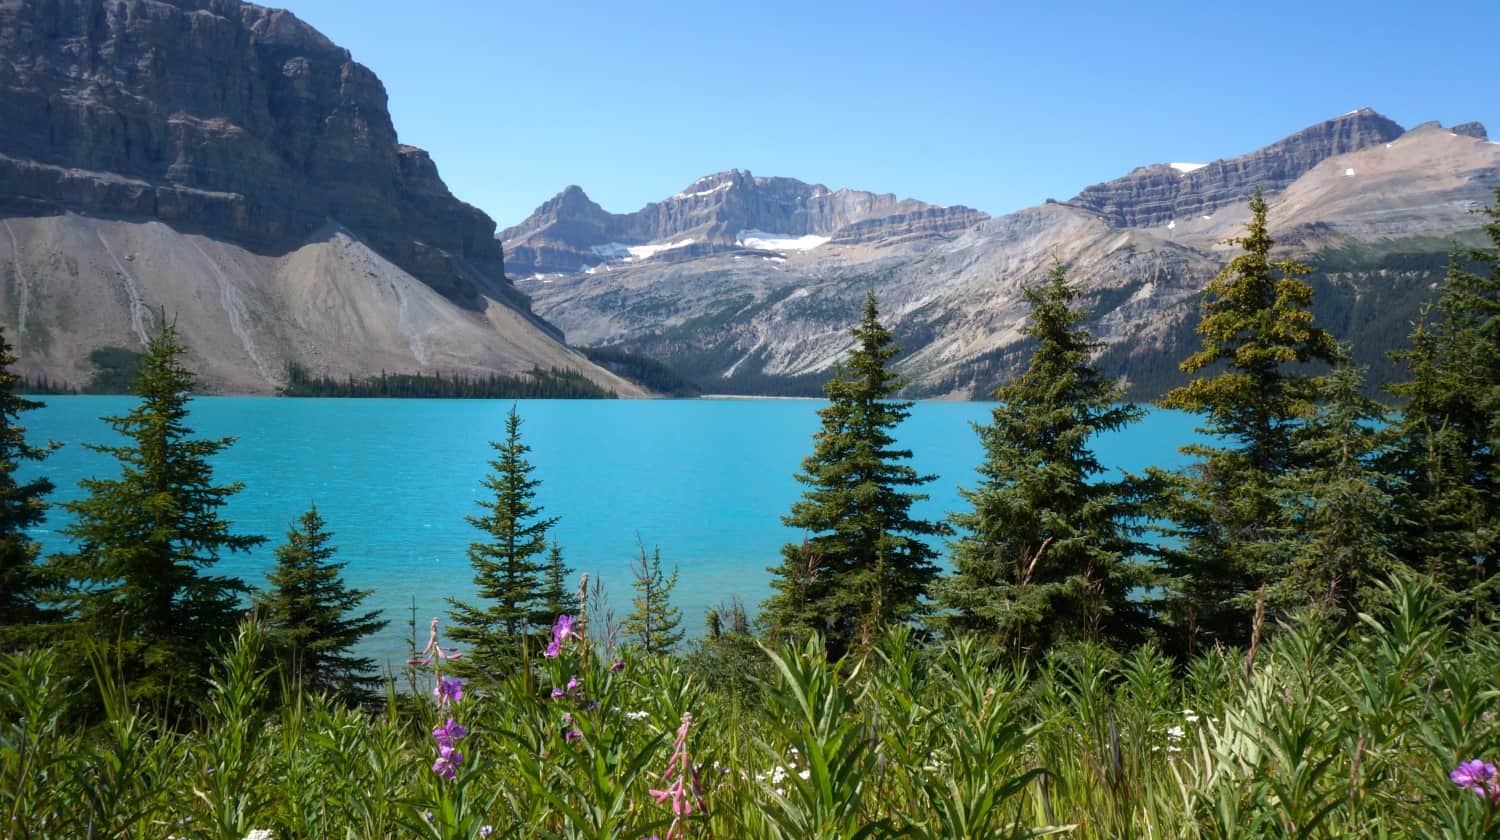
[864, 563]
[1255, 394]
[145, 540]
[1050, 550]
[653, 622]
[559, 598]
[509, 568]
[1339, 518]
[1449, 444]
[311, 623]
[23, 505]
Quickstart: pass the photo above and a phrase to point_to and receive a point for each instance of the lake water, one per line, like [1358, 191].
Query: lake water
[706, 480]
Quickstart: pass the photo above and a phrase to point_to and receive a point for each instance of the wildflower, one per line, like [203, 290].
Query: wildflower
[449, 758]
[448, 690]
[1478, 776]
[572, 734]
[1189, 715]
[1174, 734]
[684, 798]
[617, 665]
[573, 684]
[450, 732]
[562, 631]
[486, 830]
[260, 834]
[638, 715]
[433, 649]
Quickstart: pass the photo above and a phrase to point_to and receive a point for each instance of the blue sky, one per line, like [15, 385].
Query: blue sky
[954, 103]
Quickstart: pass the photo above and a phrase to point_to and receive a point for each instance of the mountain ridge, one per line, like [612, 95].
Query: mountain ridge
[775, 319]
[182, 128]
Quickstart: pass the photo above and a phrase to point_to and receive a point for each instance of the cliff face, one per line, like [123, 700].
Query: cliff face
[1158, 194]
[721, 213]
[225, 119]
[229, 165]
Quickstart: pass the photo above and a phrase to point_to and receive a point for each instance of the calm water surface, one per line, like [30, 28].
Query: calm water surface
[706, 480]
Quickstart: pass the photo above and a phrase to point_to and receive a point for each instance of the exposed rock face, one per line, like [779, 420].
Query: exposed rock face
[1472, 129]
[229, 164]
[227, 119]
[570, 232]
[1158, 194]
[1377, 221]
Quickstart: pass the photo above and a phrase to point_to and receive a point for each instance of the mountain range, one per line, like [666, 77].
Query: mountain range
[749, 284]
[228, 166]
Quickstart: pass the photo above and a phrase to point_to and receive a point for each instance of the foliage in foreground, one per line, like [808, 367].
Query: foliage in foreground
[1326, 733]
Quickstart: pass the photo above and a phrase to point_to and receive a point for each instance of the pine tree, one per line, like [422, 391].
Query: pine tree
[864, 563]
[558, 597]
[1258, 333]
[23, 505]
[653, 622]
[1049, 550]
[311, 625]
[144, 541]
[1448, 450]
[509, 570]
[1339, 521]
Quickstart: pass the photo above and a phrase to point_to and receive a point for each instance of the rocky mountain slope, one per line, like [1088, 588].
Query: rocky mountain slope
[722, 213]
[1374, 207]
[230, 164]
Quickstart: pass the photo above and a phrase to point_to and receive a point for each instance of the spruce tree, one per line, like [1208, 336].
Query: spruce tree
[653, 622]
[137, 579]
[1339, 517]
[1049, 550]
[863, 563]
[1448, 451]
[1255, 395]
[559, 598]
[509, 569]
[311, 623]
[23, 505]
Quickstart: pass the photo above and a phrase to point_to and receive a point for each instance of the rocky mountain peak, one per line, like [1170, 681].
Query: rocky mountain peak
[719, 213]
[1157, 195]
[1473, 129]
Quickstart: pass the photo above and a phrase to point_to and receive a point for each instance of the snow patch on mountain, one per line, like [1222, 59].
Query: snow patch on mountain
[779, 241]
[1185, 168]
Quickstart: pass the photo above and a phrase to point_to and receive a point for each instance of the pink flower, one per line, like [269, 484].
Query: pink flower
[1478, 776]
[450, 732]
[685, 798]
[617, 665]
[449, 758]
[448, 690]
[433, 649]
[562, 631]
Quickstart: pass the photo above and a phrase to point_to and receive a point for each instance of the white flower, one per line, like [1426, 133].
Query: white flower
[1174, 733]
[805, 774]
[260, 834]
[1189, 715]
[637, 715]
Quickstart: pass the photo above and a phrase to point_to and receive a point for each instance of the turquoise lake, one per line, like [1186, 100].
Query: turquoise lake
[706, 480]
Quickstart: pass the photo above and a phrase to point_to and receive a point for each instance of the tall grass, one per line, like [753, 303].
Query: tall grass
[1328, 734]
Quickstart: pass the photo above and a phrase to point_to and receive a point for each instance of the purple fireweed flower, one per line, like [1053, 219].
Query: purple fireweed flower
[573, 683]
[449, 758]
[450, 732]
[617, 665]
[448, 690]
[572, 734]
[562, 631]
[558, 694]
[1478, 776]
[683, 789]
